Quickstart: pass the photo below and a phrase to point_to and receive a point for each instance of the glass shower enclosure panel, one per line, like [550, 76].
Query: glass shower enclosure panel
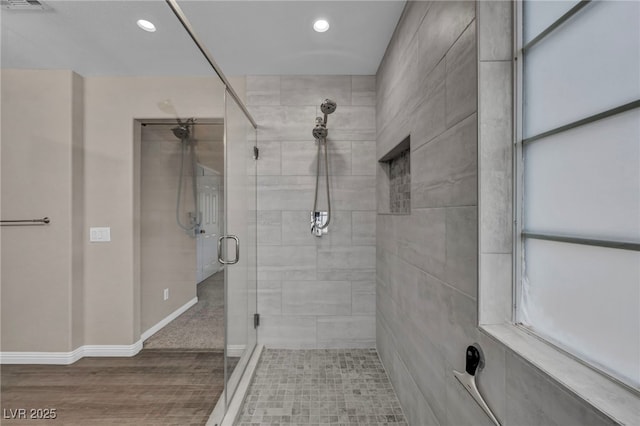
[239, 243]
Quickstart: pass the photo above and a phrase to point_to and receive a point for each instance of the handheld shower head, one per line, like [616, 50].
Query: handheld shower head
[328, 106]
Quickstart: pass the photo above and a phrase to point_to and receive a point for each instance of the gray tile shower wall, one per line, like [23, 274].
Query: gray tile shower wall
[315, 292]
[427, 261]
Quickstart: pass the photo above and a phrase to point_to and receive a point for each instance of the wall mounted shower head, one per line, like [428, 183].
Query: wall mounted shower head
[328, 106]
[181, 132]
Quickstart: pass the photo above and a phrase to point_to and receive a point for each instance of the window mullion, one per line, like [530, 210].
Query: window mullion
[556, 24]
[591, 119]
[518, 174]
[622, 245]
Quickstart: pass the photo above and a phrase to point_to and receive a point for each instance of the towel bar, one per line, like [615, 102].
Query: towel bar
[25, 222]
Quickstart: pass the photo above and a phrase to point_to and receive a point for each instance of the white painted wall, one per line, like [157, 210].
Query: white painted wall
[42, 175]
[82, 293]
[111, 270]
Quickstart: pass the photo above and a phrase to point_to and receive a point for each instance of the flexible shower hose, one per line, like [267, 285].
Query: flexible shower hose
[183, 145]
[326, 170]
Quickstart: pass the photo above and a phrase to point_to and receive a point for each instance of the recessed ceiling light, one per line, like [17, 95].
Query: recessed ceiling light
[321, 25]
[146, 25]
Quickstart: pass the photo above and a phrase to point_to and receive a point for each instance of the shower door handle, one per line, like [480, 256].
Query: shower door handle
[228, 262]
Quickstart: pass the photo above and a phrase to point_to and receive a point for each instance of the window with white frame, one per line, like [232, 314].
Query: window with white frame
[578, 190]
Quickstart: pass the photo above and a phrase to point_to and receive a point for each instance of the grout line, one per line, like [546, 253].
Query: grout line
[351, 90]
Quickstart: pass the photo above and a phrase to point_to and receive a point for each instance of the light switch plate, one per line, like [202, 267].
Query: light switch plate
[99, 235]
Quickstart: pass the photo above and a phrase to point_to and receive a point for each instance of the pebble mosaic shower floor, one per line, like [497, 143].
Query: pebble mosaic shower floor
[321, 387]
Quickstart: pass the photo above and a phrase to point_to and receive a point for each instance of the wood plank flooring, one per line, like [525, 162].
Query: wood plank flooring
[155, 387]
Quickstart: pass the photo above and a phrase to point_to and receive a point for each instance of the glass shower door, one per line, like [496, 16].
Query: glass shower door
[239, 246]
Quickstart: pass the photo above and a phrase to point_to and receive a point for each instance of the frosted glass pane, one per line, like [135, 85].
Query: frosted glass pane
[586, 66]
[586, 181]
[538, 15]
[586, 300]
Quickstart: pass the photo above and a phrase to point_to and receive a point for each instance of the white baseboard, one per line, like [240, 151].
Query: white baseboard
[62, 358]
[65, 358]
[173, 315]
[235, 350]
[113, 350]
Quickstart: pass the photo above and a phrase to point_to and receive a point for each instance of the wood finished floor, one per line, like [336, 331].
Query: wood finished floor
[155, 387]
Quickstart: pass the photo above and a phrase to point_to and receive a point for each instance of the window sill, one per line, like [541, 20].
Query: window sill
[612, 399]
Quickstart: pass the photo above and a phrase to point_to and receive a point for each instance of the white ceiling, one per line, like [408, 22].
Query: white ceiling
[245, 37]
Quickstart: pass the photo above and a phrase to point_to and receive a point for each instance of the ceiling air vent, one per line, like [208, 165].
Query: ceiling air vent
[22, 4]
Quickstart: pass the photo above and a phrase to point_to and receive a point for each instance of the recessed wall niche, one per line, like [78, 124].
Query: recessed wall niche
[397, 166]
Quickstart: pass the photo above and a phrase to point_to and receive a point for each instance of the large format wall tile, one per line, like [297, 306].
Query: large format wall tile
[460, 324]
[427, 262]
[416, 407]
[496, 275]
[421, 239]
[352, 118]
[316, 298]
[444, 171]
[430, 115]
[494, 46]
[461, 269]
[356, 257]
[306, 283]
[491, 380]
[533, 399]
[399, 97]
[424, 321]
[270, 158]
[299, 158]
[313, 89]
[363, 90]
[290, 262]
[441, 27]
[347, 274]
[270, 298]
[269, 228]
[461, 79]
[263, 90]
[353, 193]
[300, 120]
[353, 123]
[410, 21]
[425, 364]
[285, 192]
[363, 226]
[288, 332]
[363, 158]
[349, 331]
[363, 297]
[495, 135]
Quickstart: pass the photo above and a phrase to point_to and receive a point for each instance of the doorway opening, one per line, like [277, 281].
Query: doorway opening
[182, 217]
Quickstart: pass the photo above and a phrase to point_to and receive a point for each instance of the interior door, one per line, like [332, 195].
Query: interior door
[240, 242]
[208, 182]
